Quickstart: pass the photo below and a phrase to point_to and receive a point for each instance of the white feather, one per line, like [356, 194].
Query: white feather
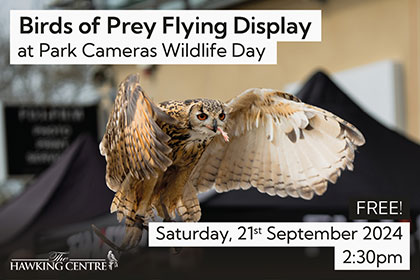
[269, 127]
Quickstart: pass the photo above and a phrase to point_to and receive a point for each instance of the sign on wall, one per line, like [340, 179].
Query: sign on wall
[37, 135]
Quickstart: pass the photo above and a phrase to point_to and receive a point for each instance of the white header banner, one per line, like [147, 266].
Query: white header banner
[158, 36]
[357, 246]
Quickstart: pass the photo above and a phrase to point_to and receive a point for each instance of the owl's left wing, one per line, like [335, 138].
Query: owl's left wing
[133, 143]
[279, 145]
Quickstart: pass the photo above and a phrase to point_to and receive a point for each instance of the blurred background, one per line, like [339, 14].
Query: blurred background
[371, 47]
[53, 116]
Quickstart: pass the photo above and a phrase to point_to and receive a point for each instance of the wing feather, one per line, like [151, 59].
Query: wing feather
[279, 145]
[133, 142]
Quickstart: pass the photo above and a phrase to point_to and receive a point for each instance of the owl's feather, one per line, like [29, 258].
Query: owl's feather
[133, 142]
[136, 151]
[279, 145]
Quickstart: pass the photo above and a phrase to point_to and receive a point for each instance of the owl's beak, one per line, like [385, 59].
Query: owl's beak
[214, 125]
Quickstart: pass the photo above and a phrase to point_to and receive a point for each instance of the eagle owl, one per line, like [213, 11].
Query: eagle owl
[159, 157]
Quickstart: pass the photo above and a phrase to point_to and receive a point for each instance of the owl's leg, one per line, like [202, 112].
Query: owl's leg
[166, 216]
[134, 231]
[137, 221]
[137, 214]
[188, 206]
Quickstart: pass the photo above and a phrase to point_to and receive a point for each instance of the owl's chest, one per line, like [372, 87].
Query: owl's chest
[187, 146]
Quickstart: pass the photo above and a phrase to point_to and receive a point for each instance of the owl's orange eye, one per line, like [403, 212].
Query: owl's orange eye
[222, 116]
[202, 116]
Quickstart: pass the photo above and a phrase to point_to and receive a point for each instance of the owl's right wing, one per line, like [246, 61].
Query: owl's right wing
[279, 145]
[133, 142]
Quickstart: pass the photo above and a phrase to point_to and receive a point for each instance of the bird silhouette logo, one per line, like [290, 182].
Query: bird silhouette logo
[112, 260]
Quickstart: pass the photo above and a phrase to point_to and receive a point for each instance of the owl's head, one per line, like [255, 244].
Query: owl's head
[207, 117]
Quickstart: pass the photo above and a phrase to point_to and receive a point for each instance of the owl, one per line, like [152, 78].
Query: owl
[160, 156]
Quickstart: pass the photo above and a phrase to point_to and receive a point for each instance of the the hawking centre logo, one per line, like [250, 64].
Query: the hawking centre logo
[59, 261]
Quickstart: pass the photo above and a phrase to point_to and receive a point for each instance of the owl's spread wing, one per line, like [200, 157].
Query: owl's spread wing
[279, 145]
[133, 143]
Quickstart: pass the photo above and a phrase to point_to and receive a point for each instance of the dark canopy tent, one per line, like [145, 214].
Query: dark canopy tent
[386, 166]
[69, 192]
